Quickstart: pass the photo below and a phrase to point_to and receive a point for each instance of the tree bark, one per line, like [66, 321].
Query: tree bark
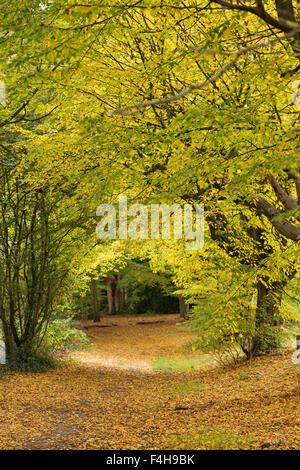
[284, 227]
[111, 286]
[115, 296]
[267, 317]
[183, 307]
[96, 313]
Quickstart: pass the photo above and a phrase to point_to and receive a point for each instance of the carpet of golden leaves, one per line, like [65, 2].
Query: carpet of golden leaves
[122, 404]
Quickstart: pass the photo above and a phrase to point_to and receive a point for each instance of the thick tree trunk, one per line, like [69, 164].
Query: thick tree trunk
[10, 344]
[267, 320]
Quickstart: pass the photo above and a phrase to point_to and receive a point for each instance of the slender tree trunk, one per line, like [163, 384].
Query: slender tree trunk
[118, 295]
[122, 299]
[111, 287]
[96, 313]
[115, 296]
[183, 307]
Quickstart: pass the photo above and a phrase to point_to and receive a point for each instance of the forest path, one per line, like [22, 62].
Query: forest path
[135, 342]
[83, 405]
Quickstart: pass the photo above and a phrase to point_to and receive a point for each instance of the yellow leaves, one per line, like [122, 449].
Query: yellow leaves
[52, 55]
[83, 8]
[227, 34]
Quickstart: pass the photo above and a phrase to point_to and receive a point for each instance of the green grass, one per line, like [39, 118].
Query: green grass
[186, 387]
[243, 375]
[210, 438]
[179, 365]
[157, 405]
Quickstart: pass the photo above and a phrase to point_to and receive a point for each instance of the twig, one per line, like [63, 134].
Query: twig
[138, 107]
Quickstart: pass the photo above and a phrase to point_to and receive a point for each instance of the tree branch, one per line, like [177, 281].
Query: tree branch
[282, 196]
[286, 228]
[138, 107]
[260, 12]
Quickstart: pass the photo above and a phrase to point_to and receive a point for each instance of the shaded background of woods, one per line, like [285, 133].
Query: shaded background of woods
[129, 293]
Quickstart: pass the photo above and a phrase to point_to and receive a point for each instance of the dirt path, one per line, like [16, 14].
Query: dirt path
[134, 343]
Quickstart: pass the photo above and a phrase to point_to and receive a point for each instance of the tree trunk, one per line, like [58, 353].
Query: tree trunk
[183, 307]
[10, 344]
[111, 287]
[267, 319]
[119, 296]
[115, 296]
[96, 313]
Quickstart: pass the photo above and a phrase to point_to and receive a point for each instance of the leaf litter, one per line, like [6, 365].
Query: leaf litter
[111, 398]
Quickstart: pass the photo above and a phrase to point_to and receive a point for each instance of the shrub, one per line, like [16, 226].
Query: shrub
[24, 360]
[62, 338]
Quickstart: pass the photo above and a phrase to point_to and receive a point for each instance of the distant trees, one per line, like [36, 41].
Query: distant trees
[135, 289]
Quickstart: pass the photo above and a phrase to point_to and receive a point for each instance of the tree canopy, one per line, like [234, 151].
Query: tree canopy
[166, 102]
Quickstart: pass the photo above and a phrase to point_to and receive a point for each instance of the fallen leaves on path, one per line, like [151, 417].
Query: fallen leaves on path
[136, 345]
[80, 407]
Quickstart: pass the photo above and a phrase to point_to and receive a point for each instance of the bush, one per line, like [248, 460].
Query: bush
[62, 338]
[24, 360]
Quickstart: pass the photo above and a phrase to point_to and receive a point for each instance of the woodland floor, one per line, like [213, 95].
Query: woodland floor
[111, 398]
